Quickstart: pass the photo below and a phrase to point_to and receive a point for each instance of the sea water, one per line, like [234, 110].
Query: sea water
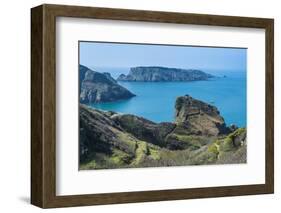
[156, 100]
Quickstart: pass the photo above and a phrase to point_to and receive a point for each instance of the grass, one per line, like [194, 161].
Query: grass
[120, 158]
[198, 151]
[154, 154]
[228, 142]
[140, 153]
[237, 132]
[194, 140]
[117, 159]
[226, 145]
[214, 148]
[127, 140]
[89, 165]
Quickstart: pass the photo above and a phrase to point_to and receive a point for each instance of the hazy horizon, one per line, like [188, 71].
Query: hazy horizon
[124, 55]
[203, 69]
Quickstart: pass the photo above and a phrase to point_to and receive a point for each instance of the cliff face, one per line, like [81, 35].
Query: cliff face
[112, 140]
[155, 74]
[199, 117]
[98, 87]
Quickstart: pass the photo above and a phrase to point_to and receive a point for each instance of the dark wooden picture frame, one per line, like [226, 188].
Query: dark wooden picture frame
[43, 105]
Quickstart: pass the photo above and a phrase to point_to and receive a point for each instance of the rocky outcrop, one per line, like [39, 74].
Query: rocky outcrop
[98, 87]
[159, 74]
[113, 140]
[198, 117]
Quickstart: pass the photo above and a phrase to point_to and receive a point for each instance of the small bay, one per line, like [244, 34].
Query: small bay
[155, 100]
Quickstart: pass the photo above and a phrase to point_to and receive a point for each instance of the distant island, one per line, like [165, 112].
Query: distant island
[96, 87]
[163, 74]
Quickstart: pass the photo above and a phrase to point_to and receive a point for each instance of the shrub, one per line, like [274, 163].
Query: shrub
[213, 148]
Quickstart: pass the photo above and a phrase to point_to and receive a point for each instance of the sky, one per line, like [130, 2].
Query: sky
[101, 54]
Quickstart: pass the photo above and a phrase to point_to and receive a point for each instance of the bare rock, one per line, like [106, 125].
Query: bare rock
[98, 87]
[198, 117]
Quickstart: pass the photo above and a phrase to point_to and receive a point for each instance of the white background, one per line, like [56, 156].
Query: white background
[71, 181]
[15, 105]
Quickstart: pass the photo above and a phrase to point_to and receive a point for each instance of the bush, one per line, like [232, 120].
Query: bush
[213, 148]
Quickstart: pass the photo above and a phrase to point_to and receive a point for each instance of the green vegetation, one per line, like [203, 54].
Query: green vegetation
[112, 140]
[228, 143]
[192, 140]
[214, 148]
[154, 153]
[128, 141]
[197, 151]
[141, 152]
[120, 158]
[229, 146]
[89, 165]
[238, 132]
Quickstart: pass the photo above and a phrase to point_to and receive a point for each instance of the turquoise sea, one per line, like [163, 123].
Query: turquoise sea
[155, 100]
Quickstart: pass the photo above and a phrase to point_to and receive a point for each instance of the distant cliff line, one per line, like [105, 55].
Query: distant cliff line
[163, 74]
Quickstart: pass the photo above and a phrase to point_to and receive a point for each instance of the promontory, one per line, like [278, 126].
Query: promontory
[96, 87]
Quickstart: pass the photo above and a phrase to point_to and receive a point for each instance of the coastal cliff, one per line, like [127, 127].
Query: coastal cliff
[198, 136]
[159, 74]
[199, 117]
[98, 87]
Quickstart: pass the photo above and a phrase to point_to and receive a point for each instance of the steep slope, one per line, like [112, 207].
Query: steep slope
[104, 144]
[98, 87]
[199, 117]
[113, 140]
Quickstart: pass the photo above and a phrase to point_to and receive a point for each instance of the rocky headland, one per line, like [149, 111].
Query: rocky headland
[165, 74]
[198, 136]
[96, 87]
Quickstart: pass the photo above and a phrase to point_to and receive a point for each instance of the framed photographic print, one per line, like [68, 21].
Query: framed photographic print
[136, 106]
